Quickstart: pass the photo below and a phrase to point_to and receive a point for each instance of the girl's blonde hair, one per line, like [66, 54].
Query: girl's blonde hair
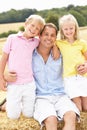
[66, 18]
[38, 19]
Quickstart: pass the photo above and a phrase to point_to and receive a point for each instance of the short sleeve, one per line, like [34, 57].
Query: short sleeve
[7, 45]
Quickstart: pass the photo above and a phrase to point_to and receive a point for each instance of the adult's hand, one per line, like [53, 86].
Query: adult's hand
[10, 76]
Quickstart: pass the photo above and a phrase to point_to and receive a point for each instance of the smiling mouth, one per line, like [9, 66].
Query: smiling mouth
[31, 32]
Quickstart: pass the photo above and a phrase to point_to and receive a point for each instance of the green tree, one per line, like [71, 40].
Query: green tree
[80, 18]
[53, 18]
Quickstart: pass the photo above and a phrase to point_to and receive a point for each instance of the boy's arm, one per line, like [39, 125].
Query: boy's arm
[3, 62]
[55, 52]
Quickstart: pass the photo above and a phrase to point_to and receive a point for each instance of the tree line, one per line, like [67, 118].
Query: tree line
[51, 15]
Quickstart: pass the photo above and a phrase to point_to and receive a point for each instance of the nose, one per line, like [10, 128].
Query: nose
[49, 37]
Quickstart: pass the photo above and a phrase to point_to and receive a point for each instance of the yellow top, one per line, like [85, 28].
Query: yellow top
[72, 55]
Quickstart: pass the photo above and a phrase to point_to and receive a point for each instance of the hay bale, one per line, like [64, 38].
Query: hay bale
[83, 123]
[79, 126]
[24, 123]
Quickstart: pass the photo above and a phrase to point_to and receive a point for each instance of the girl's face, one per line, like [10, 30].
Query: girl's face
[68, 29]
[32, 29]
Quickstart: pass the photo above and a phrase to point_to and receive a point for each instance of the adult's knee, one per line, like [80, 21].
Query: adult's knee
[70, 116]
[51, 120]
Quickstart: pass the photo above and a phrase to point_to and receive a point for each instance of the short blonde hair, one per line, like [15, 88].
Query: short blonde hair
[66, 18]
[38, 19]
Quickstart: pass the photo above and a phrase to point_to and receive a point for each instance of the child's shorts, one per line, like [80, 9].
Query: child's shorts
[76, 86]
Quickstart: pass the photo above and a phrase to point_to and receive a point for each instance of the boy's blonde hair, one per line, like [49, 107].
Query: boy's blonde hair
[38, 19]
[66, 18]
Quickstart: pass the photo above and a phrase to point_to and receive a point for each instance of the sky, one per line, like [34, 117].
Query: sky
[6, 5]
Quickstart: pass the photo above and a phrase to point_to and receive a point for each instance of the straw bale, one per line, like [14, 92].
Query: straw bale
[24, 123]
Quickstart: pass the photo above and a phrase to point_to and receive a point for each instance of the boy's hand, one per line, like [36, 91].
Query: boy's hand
[55, 52]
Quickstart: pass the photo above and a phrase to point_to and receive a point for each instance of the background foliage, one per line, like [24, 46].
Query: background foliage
[51, 15]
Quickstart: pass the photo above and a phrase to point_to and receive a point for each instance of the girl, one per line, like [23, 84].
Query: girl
[74, 52]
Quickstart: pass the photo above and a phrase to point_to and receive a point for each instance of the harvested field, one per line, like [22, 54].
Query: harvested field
[10, 27]
[83, 33]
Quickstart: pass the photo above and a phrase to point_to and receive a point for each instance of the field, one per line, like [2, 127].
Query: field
[6, 28]
[83, 33]
[10, 26]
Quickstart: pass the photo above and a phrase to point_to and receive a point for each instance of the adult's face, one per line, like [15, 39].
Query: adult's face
[48, 37]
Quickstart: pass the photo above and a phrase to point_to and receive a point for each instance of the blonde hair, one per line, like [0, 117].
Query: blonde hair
[38, 19]
[66, 18]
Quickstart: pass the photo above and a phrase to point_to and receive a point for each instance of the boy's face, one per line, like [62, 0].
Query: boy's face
[32, 29]
[48, 37]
